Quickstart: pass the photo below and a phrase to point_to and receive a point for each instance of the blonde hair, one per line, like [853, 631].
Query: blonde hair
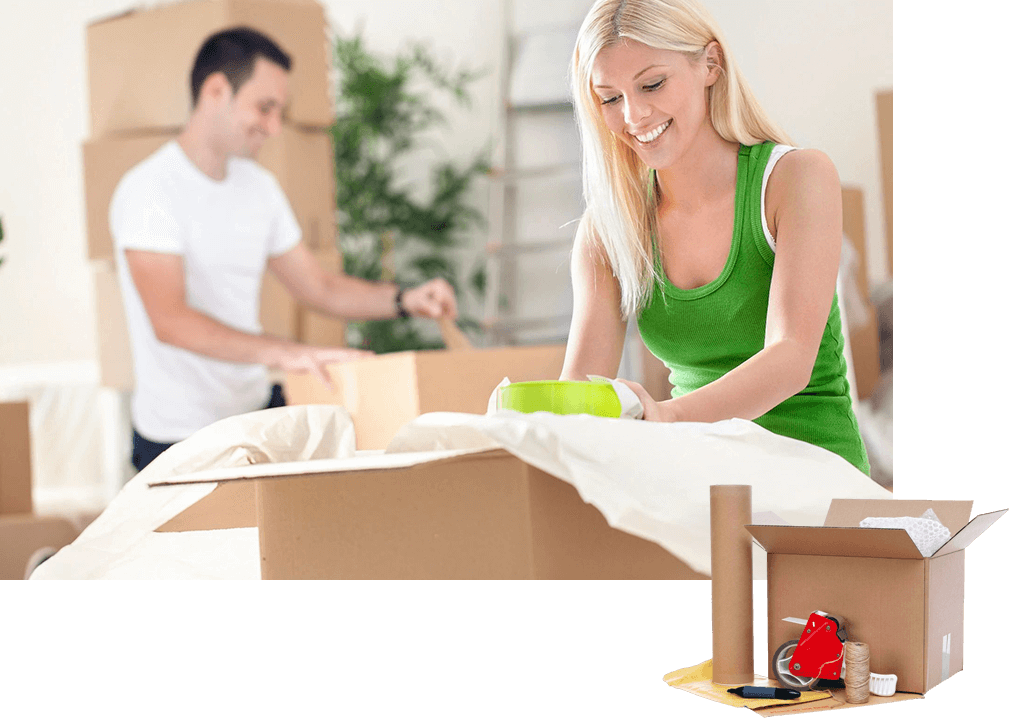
[620, 217]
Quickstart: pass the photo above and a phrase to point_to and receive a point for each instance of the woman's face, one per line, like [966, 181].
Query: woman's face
[655, 101]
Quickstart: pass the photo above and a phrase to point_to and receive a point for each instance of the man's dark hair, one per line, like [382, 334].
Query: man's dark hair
[234, 52]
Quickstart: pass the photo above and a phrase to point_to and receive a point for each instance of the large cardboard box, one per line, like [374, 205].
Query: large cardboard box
[139, 62]
[15, 458]
[429, 515]
[302, 162]
[908, 608]
[384, 392]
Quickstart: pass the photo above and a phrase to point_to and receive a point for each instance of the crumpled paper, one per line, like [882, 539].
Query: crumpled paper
[630, 405]
[652, 479]
[122, 541]
[927, 531]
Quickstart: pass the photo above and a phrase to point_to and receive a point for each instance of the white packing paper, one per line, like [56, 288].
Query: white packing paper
[123, 543]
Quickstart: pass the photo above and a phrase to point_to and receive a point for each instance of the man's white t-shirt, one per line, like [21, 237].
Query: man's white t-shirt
[225, 231]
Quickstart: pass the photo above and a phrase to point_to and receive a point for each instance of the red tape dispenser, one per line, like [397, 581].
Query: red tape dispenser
[817, 655]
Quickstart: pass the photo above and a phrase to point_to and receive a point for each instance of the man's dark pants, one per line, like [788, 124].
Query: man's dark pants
[145, 451]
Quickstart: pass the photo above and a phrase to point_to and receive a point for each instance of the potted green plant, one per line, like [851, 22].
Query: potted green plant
[387, 230]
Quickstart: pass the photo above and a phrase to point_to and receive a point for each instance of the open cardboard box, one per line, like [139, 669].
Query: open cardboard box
[382, 393]
[430, 515]
[906, 607]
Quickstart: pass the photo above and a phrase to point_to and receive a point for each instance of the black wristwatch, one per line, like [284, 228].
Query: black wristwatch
[400, 309]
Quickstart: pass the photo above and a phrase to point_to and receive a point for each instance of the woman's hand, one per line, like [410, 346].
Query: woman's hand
[653, 410]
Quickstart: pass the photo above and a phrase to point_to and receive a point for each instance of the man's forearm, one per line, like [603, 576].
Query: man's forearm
[196, 332]
[355, 299]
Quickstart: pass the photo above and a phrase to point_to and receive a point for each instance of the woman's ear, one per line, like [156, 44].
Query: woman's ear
[715, 62]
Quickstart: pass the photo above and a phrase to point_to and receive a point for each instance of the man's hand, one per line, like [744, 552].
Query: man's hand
[304, 359]
[434, 299]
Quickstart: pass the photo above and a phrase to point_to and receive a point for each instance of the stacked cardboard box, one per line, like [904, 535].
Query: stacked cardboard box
[139, 64]
[23, 534]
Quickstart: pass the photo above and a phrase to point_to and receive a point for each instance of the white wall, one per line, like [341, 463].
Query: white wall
[814, 65]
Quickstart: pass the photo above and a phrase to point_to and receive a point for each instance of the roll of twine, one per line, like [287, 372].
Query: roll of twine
[856, 671]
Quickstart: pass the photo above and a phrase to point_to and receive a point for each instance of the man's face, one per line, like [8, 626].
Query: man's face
[255, 112]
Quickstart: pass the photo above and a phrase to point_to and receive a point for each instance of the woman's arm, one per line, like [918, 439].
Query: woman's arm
[596, 340]
[804, 213]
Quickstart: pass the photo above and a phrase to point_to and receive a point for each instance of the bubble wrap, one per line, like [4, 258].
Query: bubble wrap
[927, 531]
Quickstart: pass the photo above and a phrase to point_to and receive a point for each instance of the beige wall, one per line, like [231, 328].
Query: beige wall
[814, 65]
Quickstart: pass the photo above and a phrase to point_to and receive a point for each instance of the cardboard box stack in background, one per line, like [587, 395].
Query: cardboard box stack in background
[22, 532]
[139, 65]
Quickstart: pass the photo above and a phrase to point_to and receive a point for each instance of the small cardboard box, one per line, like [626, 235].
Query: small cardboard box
[384, 392]
[428, 515]
[15, 458]
[302, 161]
[139, 62]
[907, 608]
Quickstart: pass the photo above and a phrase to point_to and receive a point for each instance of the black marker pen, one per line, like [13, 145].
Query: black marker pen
[765, 692]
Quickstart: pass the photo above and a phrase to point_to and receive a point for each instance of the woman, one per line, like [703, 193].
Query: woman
[703, 222]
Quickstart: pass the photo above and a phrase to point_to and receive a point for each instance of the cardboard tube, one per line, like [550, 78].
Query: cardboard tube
[731, 586]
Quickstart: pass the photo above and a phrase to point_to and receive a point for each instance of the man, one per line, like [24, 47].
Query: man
[195, 226]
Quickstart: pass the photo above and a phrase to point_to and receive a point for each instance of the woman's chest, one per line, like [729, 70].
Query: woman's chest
[695, 247]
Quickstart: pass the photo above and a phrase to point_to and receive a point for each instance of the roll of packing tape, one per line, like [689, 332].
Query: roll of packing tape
[731, 585]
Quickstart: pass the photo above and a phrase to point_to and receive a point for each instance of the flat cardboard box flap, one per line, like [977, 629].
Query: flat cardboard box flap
[835, 541]
[369, 461]
[965, 536]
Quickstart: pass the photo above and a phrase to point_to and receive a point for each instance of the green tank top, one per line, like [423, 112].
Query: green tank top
[701, 334]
